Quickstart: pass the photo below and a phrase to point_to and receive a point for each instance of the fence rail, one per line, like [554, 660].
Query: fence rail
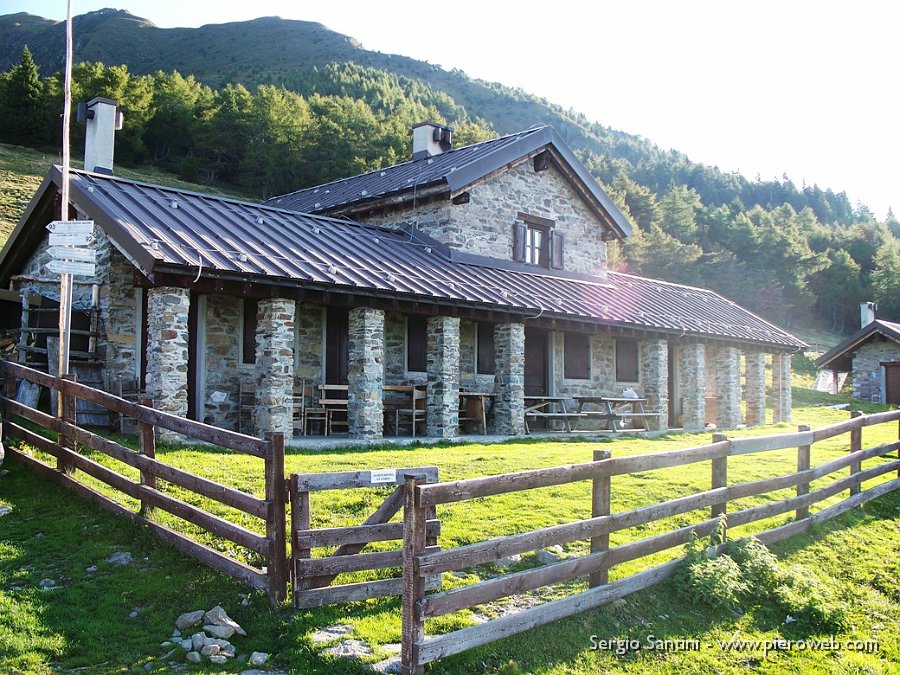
[418, 650]
[68, 436]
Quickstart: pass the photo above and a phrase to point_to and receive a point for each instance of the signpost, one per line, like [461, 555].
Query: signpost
[67, 253]
[86, 269]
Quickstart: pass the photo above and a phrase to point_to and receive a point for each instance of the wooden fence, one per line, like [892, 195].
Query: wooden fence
[68, 435]
[419, 498]
[313, 577]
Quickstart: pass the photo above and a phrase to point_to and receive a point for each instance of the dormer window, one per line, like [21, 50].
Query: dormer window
[537, 242]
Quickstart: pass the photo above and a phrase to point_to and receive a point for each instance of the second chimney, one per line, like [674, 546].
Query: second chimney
[430, 139]
[866, 313]
[102, 120]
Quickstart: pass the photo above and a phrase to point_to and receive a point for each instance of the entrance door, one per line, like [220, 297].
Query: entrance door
[536, 362]
[674, 387]
[336, 348]
[892, 382]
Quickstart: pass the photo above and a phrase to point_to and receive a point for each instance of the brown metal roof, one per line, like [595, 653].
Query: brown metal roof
[163, 229]
[455, 169]
[841, 355]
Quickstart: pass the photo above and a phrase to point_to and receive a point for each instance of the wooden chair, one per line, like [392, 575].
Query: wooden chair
[333, 397]
[308, 409]
[414, 413]
[246, 406]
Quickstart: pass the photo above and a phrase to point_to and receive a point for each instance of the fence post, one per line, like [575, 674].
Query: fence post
[301, 519]
[719, 477]
[803, 453]
[855, 446]
[67, 414]
[413, 627]
[601, 497]
[148, 449]
[276, 526]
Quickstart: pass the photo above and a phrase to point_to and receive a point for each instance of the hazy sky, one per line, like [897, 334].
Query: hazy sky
[810, 88]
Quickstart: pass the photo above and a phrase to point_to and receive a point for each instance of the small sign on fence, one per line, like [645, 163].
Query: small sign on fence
[383, 476]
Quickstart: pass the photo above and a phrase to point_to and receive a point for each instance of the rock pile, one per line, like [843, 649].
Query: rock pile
[211, 642]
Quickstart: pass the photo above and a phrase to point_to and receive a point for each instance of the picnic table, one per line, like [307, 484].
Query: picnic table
[474, 407]
[549, 408]
[615, 409]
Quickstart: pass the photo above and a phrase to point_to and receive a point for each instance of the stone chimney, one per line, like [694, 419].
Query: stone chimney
[866, 313]
[430, 139]
[102, 120]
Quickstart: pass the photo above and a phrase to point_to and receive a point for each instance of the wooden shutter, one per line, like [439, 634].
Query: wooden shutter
[416, 348]
[577, 356]
[520, 236]
[249, 336]
[557, 240]
[627, 360]
[486, 355]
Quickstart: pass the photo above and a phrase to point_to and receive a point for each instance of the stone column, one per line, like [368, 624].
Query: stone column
[509, 378]
[781, 388]
[167, 352]
[365, 373]
[728, 387]
[654, 361]
[693, 386]
[755, 395]
[442, 416]
[275, 366]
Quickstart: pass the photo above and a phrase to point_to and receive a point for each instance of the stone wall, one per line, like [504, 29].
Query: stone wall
[223, 341]
[484, 226]
[167, 352]
[728, 387]
[365, 376]
[442, 403]
[509, 380]
[275, 366]
[868, 360]
[755, 394]
[395, 352]
[693, 374]
[781, 388]
[310, 330]
[654, 366]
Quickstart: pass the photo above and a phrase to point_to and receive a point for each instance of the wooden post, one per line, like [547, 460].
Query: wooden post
[67, 414]
[855, 446]
[301, 519]
[601, 497]
[276, 525]
[719, 476]
[148, 449]
[413, 627]
[803, 453]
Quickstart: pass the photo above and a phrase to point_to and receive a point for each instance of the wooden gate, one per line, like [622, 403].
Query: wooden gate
[313, 577]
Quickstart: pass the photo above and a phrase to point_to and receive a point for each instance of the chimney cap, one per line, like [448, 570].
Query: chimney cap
[101, 99]
[430, 139]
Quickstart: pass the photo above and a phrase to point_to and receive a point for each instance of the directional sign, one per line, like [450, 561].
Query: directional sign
[71, 238]
[72, 226]
[72, 267]
[87, 255]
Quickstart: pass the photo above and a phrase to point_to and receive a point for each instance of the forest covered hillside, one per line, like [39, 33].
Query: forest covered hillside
[268, 106]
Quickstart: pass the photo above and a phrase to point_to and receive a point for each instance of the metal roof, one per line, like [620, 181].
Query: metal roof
[456, 169]
[162, 229]
[840, 355]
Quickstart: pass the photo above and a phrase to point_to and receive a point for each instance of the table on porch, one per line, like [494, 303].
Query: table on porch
[615, 409]
[549, 408]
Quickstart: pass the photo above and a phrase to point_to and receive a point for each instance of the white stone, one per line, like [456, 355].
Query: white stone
[218, 659]
[330, 633]
[546, 557]
[189, 619]
[508, 561]
[187, 645]
[349, 649]
[223, 632]
[210, 650]
[218, 617]
[193, 657]
[258, 659]
[122, 559]
[197, 641]
[215, 641]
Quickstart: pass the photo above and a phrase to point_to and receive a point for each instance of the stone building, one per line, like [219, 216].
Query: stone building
[482, 267]
[871, 356]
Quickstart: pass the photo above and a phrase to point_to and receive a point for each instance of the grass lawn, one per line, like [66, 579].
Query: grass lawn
[84, 623]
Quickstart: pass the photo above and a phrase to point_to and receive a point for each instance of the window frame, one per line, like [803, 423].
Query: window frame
[580, 369]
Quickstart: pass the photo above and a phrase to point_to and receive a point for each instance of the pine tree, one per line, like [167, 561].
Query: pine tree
[20, 102]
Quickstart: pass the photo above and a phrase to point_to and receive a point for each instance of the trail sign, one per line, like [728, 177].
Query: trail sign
[72, 226]
[71, 238]
[72, 267]
[87, 255]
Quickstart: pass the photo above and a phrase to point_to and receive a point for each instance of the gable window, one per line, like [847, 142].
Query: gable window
[627, 360]
[485, 352]
[416, 339]
[248, 342]
[577, 356]
[537, 242]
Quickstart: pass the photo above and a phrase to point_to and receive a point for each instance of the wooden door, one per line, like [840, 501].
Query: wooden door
[336, 346]
[536, 362]
[892, 383]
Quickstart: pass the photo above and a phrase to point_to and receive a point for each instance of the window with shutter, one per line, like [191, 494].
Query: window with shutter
[485, 355]
[557, 241]
[416, 339]
[577, 356]
[627, 360]
[519, 234]
[532, 240]
[249, 331]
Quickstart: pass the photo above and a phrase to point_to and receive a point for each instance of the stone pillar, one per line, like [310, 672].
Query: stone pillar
[275, 366]
[365, 373]
[654, 361]
[442, 416]
[755, 396]
[781, 388]
[693, 386]
[509, 378]
[167, 352]
[728, 387]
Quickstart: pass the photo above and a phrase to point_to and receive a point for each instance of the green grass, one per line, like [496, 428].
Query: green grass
[71, 627]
